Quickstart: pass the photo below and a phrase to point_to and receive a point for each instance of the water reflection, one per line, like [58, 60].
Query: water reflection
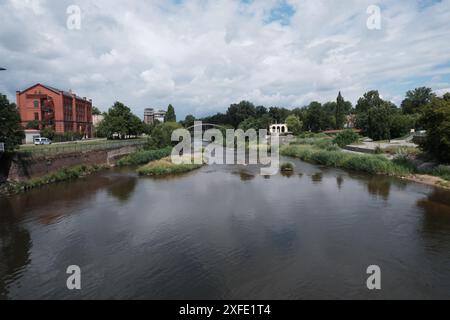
[436, 208]
[122, 188]
[226, 233]
[340, 181]
[244, 175]
[287, 174]
[15, 246]
[379, 187]
[317, 177]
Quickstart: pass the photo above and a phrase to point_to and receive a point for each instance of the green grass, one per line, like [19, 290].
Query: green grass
[166, 167]
[442, 172]
[58, 176]
[365, 163]
[77, 146]
[143, 157]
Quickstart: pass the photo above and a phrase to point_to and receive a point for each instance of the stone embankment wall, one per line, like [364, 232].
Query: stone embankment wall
[21, 167]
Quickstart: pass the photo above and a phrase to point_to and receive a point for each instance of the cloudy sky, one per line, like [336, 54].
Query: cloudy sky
[201, 55]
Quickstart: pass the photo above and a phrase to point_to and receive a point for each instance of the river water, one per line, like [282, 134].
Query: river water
[225, 232]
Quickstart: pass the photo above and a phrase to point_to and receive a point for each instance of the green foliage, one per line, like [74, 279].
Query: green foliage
[11, 131]
[144, 156]
[61, 137]
[378, 122]
[416, 100]
[287, 166]
[294, 124]
[343, 109]
[96, 111]
[188, 121]
[373, 116]
[365, 163]
[442, 171]
[119, 120]
[237, 113]
[401, 125]
[162, 134]
[58, 176]
[317, 118]
[436, 120]
[345, 138]
[165, 167]
[33, 125]
[170, 114]
[48, 133]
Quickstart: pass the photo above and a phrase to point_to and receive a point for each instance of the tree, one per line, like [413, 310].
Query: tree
[446, 97]
[317, 117]
[48, 133]
[436, 120]
[378, 122]
[189, 121]
[294, 124]
[373, 115]
[162, 134]
[279, 114]
[11, 131]
[237, 113]
[417, 99]
[401, 124]
[96, 111]
[121, 121]
[170, 114]
[343, 109]
[33, 125]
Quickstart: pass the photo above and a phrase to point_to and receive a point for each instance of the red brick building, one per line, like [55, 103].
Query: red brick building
[59, 110]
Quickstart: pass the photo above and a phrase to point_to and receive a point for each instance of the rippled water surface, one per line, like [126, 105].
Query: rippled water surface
[227, 233]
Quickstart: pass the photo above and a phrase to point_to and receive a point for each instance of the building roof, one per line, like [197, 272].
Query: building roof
[55, 90]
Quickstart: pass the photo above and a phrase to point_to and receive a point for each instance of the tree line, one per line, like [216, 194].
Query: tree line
[378, 119]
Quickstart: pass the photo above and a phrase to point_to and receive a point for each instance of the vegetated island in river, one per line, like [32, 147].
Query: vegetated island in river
[165, 166]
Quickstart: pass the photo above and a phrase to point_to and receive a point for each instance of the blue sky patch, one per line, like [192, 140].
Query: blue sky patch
[282, 13]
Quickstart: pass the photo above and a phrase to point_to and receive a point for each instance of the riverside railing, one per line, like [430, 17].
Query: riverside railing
[81, 147]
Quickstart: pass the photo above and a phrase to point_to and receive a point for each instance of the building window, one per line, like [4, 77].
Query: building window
[36, 104]
[36, 116]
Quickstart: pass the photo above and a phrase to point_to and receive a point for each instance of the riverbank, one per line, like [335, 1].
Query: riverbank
[80, 171]
[328, 155]
[65, 174]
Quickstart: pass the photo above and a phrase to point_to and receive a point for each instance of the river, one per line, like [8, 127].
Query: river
[225, 232]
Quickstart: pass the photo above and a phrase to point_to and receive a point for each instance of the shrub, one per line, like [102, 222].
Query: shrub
[143, 157]
[58, 176]
[345, 138]
[162, 134]
[287, 166]
[325, 144]
[442, 171]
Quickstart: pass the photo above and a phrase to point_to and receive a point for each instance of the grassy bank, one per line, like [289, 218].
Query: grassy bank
[144, 156]
[166, 167]
[374, 164]
[58, 176]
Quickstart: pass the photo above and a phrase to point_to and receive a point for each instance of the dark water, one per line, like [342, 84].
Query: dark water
[227, 233]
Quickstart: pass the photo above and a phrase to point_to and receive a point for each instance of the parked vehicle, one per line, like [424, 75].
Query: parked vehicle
[42, 141]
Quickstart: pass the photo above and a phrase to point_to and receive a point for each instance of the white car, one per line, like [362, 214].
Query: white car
[42, 141]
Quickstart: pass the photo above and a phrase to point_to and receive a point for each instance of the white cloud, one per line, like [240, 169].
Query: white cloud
[202, 56]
